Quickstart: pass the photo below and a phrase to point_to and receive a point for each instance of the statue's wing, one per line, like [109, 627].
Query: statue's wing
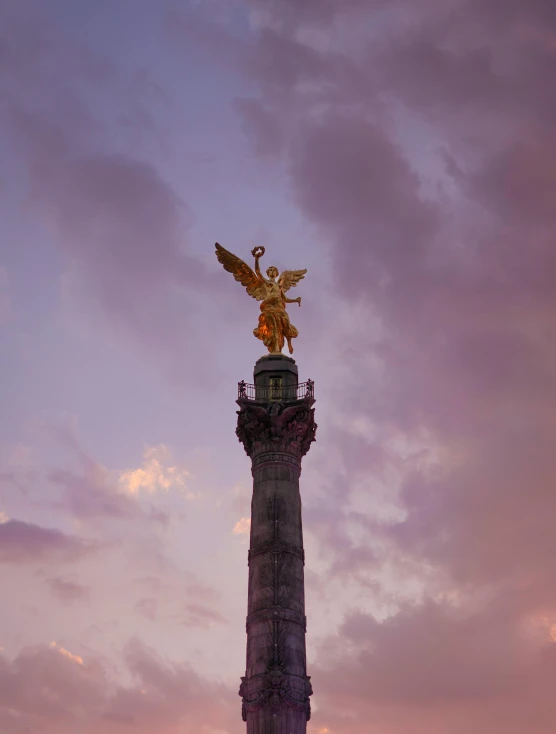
[290, 278]
[241, 272]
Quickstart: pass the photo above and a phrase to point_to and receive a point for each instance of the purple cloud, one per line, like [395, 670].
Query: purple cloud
[22, 542]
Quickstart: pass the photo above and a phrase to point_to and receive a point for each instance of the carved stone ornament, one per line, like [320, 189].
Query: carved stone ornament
[276, 692]
[292, 429]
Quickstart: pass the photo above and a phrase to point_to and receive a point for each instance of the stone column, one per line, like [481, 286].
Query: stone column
[276, 426]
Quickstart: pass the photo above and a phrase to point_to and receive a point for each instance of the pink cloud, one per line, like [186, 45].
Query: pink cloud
[147, 608]
[43, 689]
[67, 591]
[197, 609]
[199, 615]
[438, 666]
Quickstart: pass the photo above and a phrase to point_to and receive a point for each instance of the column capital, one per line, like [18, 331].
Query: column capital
[274, 428]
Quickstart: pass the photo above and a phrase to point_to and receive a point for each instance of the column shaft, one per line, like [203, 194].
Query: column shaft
[276, 689]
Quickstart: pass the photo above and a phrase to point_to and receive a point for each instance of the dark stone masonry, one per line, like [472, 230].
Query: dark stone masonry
[276, 426]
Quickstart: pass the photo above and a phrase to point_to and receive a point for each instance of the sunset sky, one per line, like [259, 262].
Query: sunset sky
[404, 152]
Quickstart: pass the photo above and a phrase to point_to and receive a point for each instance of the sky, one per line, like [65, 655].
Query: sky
[404, 152]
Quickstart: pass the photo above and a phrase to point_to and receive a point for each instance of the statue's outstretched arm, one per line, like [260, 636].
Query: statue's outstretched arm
[292, 300]
[257, 253]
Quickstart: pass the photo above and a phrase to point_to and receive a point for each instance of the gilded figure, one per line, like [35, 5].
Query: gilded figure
[274, 327]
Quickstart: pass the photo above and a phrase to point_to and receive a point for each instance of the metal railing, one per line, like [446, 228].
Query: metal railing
[284, 393]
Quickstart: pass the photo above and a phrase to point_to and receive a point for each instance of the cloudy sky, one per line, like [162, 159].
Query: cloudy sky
[404, 152]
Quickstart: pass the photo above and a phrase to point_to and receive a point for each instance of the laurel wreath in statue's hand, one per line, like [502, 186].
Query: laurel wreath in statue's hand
[258, 252]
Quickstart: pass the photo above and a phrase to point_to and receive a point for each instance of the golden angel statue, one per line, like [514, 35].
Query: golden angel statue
[274, 323]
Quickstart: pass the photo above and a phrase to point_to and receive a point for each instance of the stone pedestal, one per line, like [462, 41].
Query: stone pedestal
[276, 426]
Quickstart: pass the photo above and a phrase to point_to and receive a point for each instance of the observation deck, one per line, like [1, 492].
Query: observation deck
[275, 392]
